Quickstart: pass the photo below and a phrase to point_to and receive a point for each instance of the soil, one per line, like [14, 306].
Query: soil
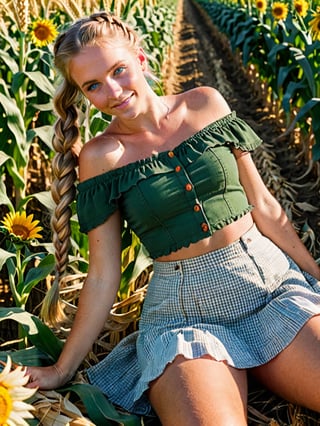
[201, 55]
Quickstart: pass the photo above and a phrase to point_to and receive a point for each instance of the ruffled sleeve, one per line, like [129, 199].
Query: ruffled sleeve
[229, 130]
[98, 197]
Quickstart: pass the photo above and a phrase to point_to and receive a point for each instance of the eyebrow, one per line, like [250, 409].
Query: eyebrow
[87, 83]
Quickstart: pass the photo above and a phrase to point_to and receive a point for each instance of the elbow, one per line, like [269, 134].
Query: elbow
[269, 211]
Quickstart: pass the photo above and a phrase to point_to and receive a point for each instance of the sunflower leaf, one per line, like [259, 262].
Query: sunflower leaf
[4, 256]
[36, 274]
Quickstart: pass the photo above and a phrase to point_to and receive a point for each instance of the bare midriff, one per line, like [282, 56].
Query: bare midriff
[219, 239]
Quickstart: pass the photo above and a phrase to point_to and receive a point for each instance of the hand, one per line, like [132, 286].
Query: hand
[46, 378]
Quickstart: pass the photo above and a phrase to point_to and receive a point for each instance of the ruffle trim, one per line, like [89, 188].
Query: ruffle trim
[191, 239]
[106, 189]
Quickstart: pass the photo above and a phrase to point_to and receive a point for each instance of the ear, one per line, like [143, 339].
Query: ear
[142, 58]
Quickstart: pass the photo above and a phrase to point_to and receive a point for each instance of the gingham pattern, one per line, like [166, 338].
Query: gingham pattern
[242, 304]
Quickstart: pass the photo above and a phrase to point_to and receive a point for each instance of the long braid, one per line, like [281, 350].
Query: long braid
[66, 142]
[66, 138]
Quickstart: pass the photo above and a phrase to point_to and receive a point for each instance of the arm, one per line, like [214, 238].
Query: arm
[97, 295]
[96, 299]
[269, 216]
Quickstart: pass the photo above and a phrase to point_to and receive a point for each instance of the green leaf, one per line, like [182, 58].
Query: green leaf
[41, 81]
[35, 275]
[15, 121]
[4, 199]
[45, 133]
[44, 197]
[30, 356]
[303, 112]
[37, 332]
[12, 169]
[4, 256]
[307, 69]
[316, 151]
[291, 90]
[14, 172]
[9, 61]
[99, 409]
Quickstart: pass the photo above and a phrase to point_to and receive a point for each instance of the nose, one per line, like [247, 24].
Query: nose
[113, 88]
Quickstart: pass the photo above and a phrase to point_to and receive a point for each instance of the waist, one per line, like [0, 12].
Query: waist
[219, 239]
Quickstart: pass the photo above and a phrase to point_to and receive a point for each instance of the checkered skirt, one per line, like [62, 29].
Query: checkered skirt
[242, 304]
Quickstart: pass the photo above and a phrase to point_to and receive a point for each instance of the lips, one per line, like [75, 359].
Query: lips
[123, 103]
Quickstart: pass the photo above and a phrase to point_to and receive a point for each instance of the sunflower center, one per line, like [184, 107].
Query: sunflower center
[20, 231]
[42, 32]
[278, 11]
[5, 405]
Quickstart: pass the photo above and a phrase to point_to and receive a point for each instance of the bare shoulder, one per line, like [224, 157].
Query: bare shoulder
[207, 100]
[98, 156]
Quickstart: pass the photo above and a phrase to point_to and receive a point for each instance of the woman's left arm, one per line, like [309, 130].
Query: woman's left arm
[269, 216]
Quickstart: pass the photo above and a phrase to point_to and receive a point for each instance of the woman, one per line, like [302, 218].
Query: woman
[233, 290]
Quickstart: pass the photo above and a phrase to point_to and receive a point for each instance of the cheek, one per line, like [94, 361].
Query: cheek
[98, 100]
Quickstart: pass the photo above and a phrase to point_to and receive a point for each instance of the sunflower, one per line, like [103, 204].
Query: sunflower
[261, 5]
[314, 24]
[279, 10]
[13, 410]
[22, 226]
[301, 7]
[43, 32]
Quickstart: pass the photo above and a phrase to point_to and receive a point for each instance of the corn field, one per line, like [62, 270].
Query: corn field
[280, 55]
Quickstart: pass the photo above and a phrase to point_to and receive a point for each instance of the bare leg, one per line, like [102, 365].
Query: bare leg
[199, 392]
[295, 373]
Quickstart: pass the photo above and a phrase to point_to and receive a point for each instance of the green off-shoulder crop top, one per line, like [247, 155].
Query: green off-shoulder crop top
[178, 197]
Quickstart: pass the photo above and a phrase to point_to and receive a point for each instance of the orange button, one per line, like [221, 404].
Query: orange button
[204, 227]
[188, 187]
[178, 168]
[171, 154]
[196, 208]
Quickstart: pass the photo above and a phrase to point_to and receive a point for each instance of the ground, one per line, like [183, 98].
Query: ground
[200, 55]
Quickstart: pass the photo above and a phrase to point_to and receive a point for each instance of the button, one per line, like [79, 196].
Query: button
[188, 187]
[177, 267]
[204, 227]
[196, 208]
[178, 168]
[171, 154]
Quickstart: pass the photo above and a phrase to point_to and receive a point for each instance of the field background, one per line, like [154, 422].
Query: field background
[189, 47]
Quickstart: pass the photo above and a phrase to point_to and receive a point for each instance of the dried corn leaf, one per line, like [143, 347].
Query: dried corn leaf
[52, 409]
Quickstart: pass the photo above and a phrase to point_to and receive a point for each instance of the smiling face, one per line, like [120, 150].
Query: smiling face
[111, 77]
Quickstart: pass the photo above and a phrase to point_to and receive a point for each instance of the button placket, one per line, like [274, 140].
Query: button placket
[190, 192]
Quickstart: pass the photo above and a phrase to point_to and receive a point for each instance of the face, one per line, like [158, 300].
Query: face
[111, 78]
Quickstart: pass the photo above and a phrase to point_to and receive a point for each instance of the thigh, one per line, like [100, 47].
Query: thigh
[198, 392]
[294, 374]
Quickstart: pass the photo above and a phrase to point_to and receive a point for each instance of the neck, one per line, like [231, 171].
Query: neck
[150, 120]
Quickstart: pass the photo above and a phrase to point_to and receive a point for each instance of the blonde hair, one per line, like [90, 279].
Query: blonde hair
[92, 30]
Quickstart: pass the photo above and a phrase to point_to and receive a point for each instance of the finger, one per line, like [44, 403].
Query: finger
[32, 383]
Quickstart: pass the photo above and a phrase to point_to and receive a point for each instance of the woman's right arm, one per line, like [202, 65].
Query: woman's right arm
[96, 299]
[100, 288]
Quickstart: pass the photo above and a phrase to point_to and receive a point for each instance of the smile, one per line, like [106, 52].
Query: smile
[123, 103]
